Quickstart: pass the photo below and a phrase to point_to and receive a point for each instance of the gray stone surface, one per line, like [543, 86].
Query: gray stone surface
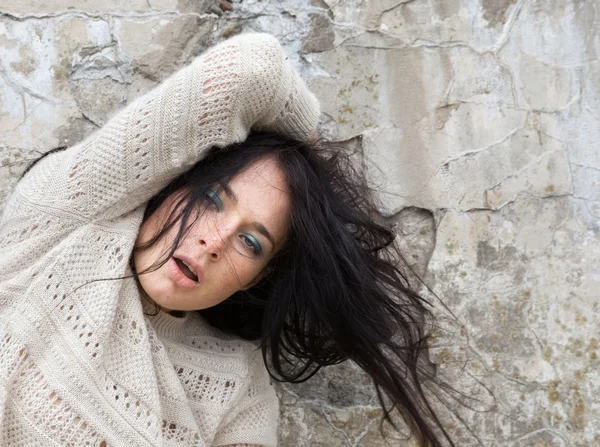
[158, 46]
[321, 36]
[478, 121]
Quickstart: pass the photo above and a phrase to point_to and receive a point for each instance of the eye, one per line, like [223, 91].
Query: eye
[214, 199]
[250, 242]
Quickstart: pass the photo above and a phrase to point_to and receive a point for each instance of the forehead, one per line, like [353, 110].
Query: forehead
[263, 195]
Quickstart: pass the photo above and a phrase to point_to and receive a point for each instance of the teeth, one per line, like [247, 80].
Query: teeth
[192, 269]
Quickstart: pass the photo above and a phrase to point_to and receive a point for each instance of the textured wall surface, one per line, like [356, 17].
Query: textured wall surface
[483, 119]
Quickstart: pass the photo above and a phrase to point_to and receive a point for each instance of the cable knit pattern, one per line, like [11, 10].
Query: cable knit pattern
[80, 362]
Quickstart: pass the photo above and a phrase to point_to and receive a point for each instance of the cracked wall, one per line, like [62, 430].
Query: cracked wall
[478, 118]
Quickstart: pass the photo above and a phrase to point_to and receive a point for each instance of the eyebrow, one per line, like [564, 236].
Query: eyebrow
[259, 227]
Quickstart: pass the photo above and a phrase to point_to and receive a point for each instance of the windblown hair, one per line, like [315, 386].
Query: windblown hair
[334, 291]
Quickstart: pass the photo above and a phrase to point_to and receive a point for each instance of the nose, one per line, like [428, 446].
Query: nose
[213, 246]
[215, 243]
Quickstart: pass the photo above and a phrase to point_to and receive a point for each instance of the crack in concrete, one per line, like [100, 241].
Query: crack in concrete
[570, 167]
[511, 76]
[508, 26]
[517, 197]
[593, 168]
[20, 88]
[336, 429]
[89, 119]
[378, 16]
[514, 199]
[525, 167]
[116, 42]
[19, 151]
[85, 66]
[473, 152]
[417, 43]
[319, 404]
[585, 199]
[104, 14]
[543, 430]
[424, 43]
[397, 5]
[27, 113]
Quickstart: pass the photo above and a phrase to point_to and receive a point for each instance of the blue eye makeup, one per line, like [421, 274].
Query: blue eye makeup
[248, 240]
[215, 199]
[252, 243]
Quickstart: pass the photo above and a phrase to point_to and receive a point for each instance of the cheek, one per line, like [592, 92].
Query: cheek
[156, 222]
[147, 231]
[141, 258]
[158, 251]
[237, 271]
[144, 233]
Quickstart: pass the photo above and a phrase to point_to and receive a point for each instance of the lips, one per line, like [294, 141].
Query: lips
[181, 274]
[186, 269]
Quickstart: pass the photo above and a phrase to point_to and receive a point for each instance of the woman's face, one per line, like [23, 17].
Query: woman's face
[226, 249]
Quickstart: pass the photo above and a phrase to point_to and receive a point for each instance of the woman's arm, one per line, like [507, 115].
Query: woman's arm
[245, 82]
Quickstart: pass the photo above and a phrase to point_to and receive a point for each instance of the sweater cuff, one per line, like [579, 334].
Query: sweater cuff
[300, 115]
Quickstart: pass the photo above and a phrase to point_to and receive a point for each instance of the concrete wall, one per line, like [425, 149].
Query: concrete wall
[483, 118]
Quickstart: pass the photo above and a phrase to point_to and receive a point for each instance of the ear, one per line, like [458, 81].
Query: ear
[257, 278]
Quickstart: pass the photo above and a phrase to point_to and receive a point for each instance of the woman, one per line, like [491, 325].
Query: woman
[139, 269]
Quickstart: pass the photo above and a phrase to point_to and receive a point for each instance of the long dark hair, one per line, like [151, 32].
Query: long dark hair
[334, 291]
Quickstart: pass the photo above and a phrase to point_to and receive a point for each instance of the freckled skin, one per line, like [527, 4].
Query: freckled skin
[218, 240]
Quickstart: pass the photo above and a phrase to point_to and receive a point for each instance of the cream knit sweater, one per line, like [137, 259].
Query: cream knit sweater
[80, 363]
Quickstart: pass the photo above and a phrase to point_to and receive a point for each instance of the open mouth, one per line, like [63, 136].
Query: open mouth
[186, 269]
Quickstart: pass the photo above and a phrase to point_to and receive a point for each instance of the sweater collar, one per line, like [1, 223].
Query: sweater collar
[165, 324]
[170, 326]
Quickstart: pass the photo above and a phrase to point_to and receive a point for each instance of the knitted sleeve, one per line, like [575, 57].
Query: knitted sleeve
[253, 420]
[245, 82]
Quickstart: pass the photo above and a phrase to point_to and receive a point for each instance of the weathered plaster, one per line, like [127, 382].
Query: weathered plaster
[476, 119]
